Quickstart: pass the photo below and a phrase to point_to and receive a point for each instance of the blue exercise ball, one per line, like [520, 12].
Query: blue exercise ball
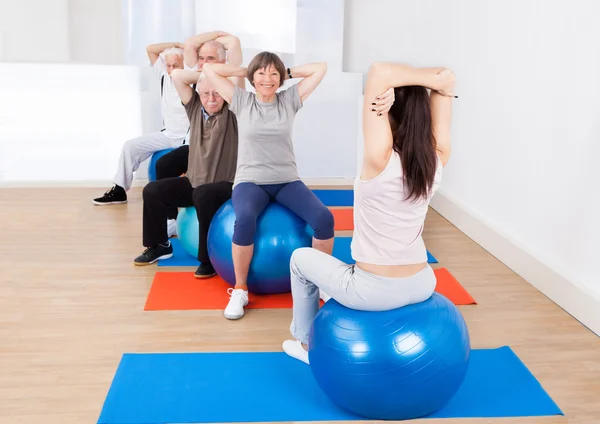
[279, 232]
[188, 230]
[152, 165]
[392, 365]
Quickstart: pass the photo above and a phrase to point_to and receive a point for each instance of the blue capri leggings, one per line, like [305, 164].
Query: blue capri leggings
[250, 200]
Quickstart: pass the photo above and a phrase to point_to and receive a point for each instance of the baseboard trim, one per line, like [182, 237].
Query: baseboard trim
[104, 184]
[573, 298]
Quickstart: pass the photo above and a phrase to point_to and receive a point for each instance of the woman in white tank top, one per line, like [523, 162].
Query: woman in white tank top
[406, 145]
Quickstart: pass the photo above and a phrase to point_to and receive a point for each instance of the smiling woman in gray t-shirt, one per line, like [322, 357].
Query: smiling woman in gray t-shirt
[266, 166]
[266, 154]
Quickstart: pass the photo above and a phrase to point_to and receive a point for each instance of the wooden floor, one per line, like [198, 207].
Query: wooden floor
[71, 303]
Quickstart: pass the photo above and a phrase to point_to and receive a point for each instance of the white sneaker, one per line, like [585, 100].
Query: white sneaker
[237, 301]
[171, 227]
[294, 349]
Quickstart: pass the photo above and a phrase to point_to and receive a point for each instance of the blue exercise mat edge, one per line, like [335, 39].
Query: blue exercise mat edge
[335, 197]
[136, 373]
[180, 257]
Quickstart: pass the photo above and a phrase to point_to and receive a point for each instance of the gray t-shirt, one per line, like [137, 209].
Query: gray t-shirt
[265, 149]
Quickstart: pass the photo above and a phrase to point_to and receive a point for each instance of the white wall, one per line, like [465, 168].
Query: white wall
[526, 126]
[60, 31]
[69, 125]
[96, 31]
[34, 31]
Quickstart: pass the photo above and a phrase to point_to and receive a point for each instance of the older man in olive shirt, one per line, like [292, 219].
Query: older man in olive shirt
[211, 171]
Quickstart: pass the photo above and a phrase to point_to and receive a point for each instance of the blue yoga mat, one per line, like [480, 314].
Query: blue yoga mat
[431, 259]
[180, 257]
[336, 197]
[204, 387]
[341, 250]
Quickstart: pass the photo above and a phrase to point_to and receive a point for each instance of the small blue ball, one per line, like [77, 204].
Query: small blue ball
[188, 231]
[152, 165]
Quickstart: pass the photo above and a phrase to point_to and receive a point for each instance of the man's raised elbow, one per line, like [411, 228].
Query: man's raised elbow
[176, 74]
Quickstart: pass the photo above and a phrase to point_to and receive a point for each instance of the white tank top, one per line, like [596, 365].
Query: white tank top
[388, 228]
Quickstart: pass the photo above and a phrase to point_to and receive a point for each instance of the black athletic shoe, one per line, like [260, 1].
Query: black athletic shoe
[153, 254]
[205, 270]
[114, 196]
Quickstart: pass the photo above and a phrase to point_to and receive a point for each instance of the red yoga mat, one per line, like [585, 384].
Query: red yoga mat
[176, 291]
[343, 219]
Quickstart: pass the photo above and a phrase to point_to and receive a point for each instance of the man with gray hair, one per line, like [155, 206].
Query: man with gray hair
[210, 47]
[164, 58]
[213, 146]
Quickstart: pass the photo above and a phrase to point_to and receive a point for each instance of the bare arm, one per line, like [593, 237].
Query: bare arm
[192, 44]
[219, 73]
[311, 74]
[183, 80]
[386, 75]
[234, 56]
[154, 50]
[441, 114]
[434, 70]
[377, 134]
[234, 49]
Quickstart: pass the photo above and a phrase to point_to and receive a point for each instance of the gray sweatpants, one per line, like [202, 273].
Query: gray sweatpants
[349, 285]
[137, 150]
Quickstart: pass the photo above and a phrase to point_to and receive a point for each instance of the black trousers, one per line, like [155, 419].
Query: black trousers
[161, 195]
[173, 164]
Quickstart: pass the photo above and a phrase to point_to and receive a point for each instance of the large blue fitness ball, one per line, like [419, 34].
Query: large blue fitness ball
[152, 165]
[279, 232]
[188, 230]
[392, 365]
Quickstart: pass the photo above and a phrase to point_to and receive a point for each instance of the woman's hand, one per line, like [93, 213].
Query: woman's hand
[446, 83]
[383, 103]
